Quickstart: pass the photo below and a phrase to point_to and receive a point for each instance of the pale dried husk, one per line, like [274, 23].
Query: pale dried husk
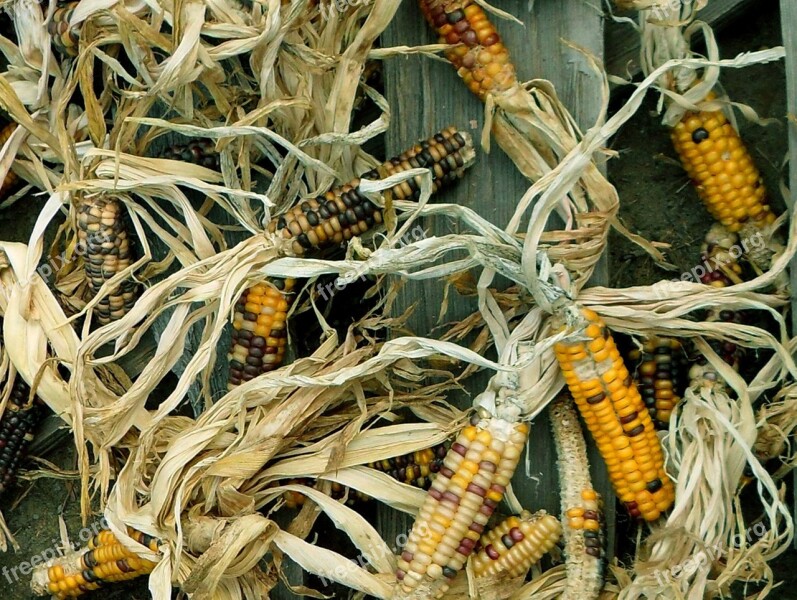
[208, 486]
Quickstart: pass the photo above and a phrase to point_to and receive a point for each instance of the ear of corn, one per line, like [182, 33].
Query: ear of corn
[463, 496]
[582, 517]
[200, 152]
[416, 469]
[66, 38]
[658, 375]
[344, 211]
[617, 417]
[480, 57]
[16, 431]
[260, 330]
[721, 168]
[103, 235]
[514, 546]
[11, 178]
[104, 560]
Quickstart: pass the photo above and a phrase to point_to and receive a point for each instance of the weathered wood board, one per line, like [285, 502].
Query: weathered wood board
[622, 42]
[788, 22]
[426, 95]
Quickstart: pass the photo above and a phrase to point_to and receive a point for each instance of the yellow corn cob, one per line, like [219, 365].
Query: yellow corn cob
[344, 212]
[516, 544]
[11, 178]
[615, 415]
[65, 38]
[581, 506]
[104, 560]
[658, 376]
[463, 496]
[481, 59]
[720, 166]
[260, 332]
[103, 234]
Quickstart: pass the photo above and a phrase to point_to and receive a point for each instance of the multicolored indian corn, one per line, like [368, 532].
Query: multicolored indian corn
[102, 233]
[198, 151]
[463, 496]
[481, 59]
[66, 38]
[658, 373]
[514, 546]
[344, 211]
[582, 516]
[16, 431]
[616, 416]
[104, 560]
[259, 330]
[722, 169]
[416, 469]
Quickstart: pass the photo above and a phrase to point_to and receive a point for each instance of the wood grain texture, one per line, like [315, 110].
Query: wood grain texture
[426, 95]
[622, 42]
[788, 22]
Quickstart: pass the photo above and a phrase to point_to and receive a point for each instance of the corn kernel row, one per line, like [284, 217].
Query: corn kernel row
[659, 377]
[104, 560]
[515, 545]
[617, 417]
[480, 57]
[17, 431]
[463, 497]
[198, 151]
[582, 517]
[727, 180]
[65, 38]
[344, 212]
[260, 330]
[103, 233]
[416, 469]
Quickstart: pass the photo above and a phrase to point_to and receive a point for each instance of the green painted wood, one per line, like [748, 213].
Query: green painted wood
[426, 95]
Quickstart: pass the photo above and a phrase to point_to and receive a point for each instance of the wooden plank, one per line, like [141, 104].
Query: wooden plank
[788, 23]
[622, 41]
[436, 99]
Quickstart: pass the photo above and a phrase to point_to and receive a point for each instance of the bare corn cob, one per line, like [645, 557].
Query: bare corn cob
[344, 212]
[463, 496]
[200, 152]
[65, 38]
[11, 178]
[616, 416]
[721, 168]
[103, 234]
[16, 431]
[260, 330]
[481, 59]
[104, 560]
[658, 375]
[416, 469]
[514, 546]
[582, 517]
